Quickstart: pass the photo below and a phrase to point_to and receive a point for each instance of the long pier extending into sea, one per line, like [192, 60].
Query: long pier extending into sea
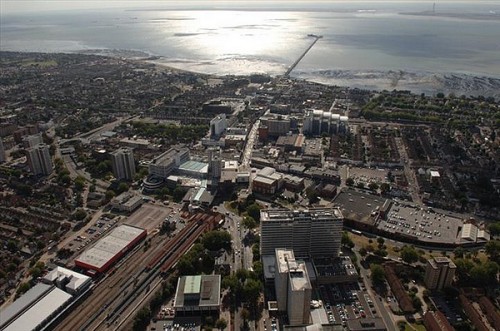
[316, 38]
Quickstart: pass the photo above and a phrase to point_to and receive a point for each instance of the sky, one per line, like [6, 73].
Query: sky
[19, 6]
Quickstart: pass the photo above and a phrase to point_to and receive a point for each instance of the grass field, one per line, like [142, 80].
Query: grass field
[43, 64]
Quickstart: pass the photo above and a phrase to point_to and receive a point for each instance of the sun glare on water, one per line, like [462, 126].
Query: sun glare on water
[224, 33]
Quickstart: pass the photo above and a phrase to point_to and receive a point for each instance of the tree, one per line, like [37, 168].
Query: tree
[251, 291]
[109, 195]
[245, 314]
[346, 240]
[408, 254]
[253, 211]
[494, 228]
[215, 240]
[380, 242]
[249, 222]
[35, 272]
[363, 252]
[349, 181]
[377, 274]
[459, 252]
[12, 245]
[122, 187]
[384, 188]
[178, 194]
[221, 324]
[23, 288]
[80, 215]
[373, 186]
[141, 319]
[492, 248]
[79, 183]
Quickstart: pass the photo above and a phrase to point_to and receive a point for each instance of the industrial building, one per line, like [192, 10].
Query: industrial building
[110, 249]
[123, 164]
[162, 165]
[317, 122]
[40, 307]
[293, 287]
[439, 273]
[39, 160]
[311, 233]
[198, 295]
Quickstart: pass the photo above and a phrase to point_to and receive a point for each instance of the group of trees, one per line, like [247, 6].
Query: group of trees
[250, 210]
[346, 240]
[171, 132]
[244, 286]
[198, 260]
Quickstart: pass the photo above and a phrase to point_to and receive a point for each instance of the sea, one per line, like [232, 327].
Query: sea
[422, 46]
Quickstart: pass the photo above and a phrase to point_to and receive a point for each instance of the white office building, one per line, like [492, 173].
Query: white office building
[218, 125]
[310, 233]
[165, 163]
[293, 287]
[123, 164]
[39, 160]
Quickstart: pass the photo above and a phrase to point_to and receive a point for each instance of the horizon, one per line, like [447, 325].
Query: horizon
[30, 6]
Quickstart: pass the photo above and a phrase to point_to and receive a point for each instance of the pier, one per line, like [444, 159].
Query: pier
[316, 38]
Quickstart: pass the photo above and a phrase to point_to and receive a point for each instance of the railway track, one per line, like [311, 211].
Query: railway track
[104, 289]
[199, 225]
[136, 275]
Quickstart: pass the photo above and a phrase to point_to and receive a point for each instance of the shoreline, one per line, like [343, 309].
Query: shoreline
[370, 79]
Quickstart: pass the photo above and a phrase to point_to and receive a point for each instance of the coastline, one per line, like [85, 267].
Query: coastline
[373, 80]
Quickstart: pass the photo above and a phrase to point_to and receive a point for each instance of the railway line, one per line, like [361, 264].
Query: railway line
[127, 281]
[106, 288]
[197, 225]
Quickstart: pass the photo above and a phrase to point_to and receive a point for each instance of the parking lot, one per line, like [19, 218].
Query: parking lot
[98, 229]
[347, 301]
[150, 216]
[423, 223]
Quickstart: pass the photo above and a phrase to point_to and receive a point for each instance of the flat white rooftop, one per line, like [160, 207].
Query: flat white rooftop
[40, 311]
[106, 248]
[76, 279]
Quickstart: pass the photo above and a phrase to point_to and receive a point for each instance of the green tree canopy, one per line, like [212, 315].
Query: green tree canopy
[377, 274]
[253, 211]
[215, 240]
[409, 254]
[346, 240]
[221, 324]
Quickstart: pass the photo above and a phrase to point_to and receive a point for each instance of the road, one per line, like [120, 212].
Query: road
[242, 255]
[247, 153]
[409, 173]
[384, 313]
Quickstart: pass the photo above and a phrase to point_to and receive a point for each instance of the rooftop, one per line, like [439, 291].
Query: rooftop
[198, 291]
[40, 311]
[194, 166]
[270, 215]
[76, 279]
[109, 246]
